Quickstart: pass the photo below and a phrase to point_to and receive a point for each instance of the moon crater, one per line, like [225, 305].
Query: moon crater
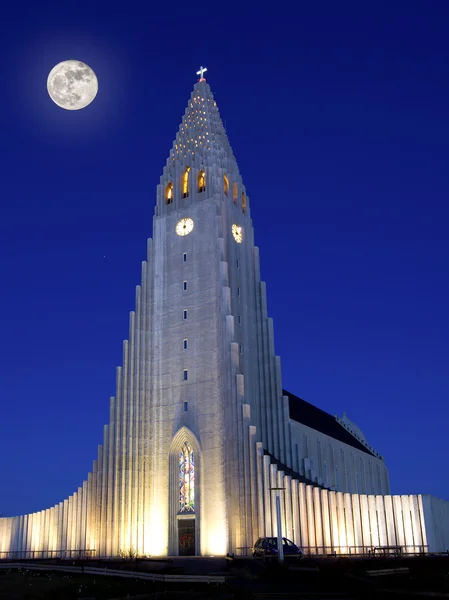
[72, 84]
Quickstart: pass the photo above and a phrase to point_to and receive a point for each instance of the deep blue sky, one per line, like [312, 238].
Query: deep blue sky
[338, 115]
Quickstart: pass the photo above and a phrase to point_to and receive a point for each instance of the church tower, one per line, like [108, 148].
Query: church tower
[211, 351]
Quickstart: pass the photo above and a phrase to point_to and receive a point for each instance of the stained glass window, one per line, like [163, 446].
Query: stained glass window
[186, 479]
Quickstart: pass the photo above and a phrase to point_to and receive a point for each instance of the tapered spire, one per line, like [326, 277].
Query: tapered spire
[201, 138]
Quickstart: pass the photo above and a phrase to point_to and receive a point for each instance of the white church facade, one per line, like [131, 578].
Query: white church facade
[200, 428]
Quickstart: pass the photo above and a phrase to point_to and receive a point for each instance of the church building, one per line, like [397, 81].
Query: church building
[200, 428]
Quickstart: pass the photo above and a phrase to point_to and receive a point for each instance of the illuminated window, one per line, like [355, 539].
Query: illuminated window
[169, 193]
[186, 479]
[243, 202]
[225, 184]
[202, 181]
[185, 183]
[235, 192]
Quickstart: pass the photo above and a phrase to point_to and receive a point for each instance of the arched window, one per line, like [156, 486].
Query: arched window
[202, 181]
[185, 183]
[186, 479]
[235, 192]
[243, 202]
[169, 193]
[225, 184]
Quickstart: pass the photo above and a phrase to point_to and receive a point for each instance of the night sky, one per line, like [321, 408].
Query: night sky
[338, 115]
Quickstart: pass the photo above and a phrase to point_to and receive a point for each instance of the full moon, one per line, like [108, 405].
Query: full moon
[72, 84]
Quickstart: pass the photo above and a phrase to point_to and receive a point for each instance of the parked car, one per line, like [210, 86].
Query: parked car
[268, 546]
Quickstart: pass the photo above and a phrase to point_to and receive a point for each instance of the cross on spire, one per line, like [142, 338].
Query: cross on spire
[201, 72]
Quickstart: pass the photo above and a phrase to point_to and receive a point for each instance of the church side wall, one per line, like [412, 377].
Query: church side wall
[323, 521]
[337, 465]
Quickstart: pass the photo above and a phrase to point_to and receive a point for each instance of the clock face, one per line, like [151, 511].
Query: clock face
[184, 226]
[237, 232]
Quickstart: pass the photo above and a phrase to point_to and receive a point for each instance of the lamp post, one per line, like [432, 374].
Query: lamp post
[279, 523]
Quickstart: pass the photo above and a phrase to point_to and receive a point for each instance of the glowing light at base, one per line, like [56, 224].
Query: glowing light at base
[217, 541]
[156, 534]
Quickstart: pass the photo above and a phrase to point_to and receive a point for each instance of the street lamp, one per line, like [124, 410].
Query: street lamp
[279, 523]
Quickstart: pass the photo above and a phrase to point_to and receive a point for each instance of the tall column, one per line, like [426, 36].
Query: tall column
[317, 509]
[303, 518]
[327, 538]
[310, 518]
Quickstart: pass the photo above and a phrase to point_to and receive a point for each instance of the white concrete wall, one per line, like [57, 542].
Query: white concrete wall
[337, 465]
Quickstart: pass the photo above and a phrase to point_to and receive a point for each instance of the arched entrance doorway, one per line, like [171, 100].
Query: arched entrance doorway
[184, 494]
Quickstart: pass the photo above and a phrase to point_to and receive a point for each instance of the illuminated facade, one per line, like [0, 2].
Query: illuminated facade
[200, 428]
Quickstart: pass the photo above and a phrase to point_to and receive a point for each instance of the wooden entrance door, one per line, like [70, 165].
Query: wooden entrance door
[186, 537]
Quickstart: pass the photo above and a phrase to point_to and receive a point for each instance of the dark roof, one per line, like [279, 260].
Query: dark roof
[315, 418]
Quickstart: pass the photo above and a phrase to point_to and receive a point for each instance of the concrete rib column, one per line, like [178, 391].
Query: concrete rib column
[280, 483]
[60, 544]
[255, 490]
[287, 483]
[266, 390]
[122, 433]
[79, 518]
[303, 520]
[273, 483]
[366, 529]
[247, 505]
[261, 489]
[130, 458]
[407, 523]
[295, 509]
[373, 520]
[380, 506]
[358, 538]
[389, 521]
[310, 517]
[25, 536]
[416, 524]
[105, 491]
[145, 406]
[317, 510]
[84, 516]
[349, 521]
[90, 512]
[399, 523]
[262, 414]
[267, 493]
[111, 451]
[274, 411]
[115, 467]
[341, 523]
[325, 516]
[70, 524]
[65, 533]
